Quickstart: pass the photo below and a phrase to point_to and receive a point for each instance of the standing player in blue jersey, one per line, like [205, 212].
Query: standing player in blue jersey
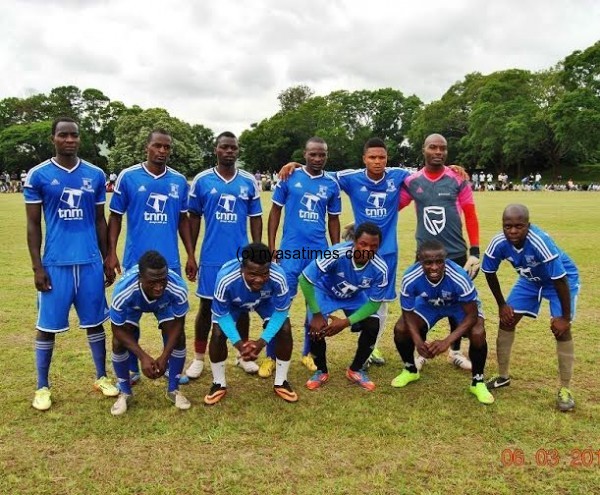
[149, 287]
[442, 196]
[226, 197]
[545, 272]
[374, 194]
[72, 194]
[154, 198]
[309, 199]
[353, 278]
[432, 289]
[252, 284]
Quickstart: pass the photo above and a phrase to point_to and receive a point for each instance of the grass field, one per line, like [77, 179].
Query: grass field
[432, 437]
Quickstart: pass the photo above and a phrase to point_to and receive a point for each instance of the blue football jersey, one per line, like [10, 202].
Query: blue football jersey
[225, 206]
[456, 287]
[129, 300]
[375, 201]
[307, 202]
[337, 275]
[153, 204]
[540, 260]
[232, 294]
[69, 199]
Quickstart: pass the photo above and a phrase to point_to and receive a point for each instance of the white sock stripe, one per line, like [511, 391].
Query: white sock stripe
[44, 345]
[119, 358]
[96, 337]
[178, 353]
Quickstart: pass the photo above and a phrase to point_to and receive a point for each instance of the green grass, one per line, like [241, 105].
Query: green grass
[432, 437]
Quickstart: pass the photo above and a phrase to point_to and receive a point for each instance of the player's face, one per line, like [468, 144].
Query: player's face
[435, 151]
[158, 149]
[227, 151]
[515, 228]
[66, 139]
[256, 275]
[375, 160]
[315, 156]
[434, 264]
[365, 247]
[154, 282]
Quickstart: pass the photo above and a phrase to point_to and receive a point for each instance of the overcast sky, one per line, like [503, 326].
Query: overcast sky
[222, 63]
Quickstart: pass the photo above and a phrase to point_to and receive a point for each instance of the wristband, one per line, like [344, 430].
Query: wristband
[474, 251]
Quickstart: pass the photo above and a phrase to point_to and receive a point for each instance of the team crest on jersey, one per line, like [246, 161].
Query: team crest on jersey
[243, 193]
[87, 185]
[72, 199]
[365, 283]
[174, 191]
[434, 218]
[226, 212]
[322, 192]
[446, 294]
[264, 294]
[391, 187]
[530, 260]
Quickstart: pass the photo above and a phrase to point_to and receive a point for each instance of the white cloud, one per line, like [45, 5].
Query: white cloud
[222, 63]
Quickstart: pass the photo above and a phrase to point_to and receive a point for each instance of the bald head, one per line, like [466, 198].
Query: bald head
[435, 151]
[516, 210]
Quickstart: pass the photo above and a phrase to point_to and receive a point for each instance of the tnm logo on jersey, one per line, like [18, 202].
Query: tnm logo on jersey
[344, 289]
[434, 218]
[226, 209]
[156, 202]
[71, 198]
[377, 201]
[309, 201]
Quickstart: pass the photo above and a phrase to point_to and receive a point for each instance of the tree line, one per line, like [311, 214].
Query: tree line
[515, 121]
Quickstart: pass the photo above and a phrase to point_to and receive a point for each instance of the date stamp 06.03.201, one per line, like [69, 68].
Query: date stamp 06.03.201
[575, 457]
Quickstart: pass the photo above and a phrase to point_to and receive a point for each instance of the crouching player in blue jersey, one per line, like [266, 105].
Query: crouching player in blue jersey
[353, 278]
[432, 289]
[149, 287]
[545, 271]
[251, 284]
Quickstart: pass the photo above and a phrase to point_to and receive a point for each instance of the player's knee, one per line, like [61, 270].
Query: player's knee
[45, 336]
[507, 328]
[217, 335]
[370, 325]
[565, 337]
[400, 329]
[95, 330]
[117, 347]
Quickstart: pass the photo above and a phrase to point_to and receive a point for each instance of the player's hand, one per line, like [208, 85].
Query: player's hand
[438, 347]
[287, 170]
[506, 315]
[348, 232]
[251, 349]
[560, 326]
[316, 326]
[41, 279]
[111, 267]
[191, 269]
[150, 367]
[423, 349]
[161, 365]
[460, 171]
[335, 326]
[472, 266]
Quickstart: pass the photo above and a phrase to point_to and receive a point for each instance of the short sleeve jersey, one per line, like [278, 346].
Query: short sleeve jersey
[439, 204]
[337, 275]
[69, 199]
[129, 300]
[225, 206]
[375, 201]
[539, 260]
[153, 204]
[307, 200]
[232, 292]
[453, 289]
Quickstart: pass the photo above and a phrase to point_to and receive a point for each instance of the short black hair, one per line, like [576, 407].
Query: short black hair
[226, 134]
[431, 245]
[152, 260]
[315, 139]
[374, 142]
[367, 228]
[257, 253]
[158, 130]
[58, 120]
